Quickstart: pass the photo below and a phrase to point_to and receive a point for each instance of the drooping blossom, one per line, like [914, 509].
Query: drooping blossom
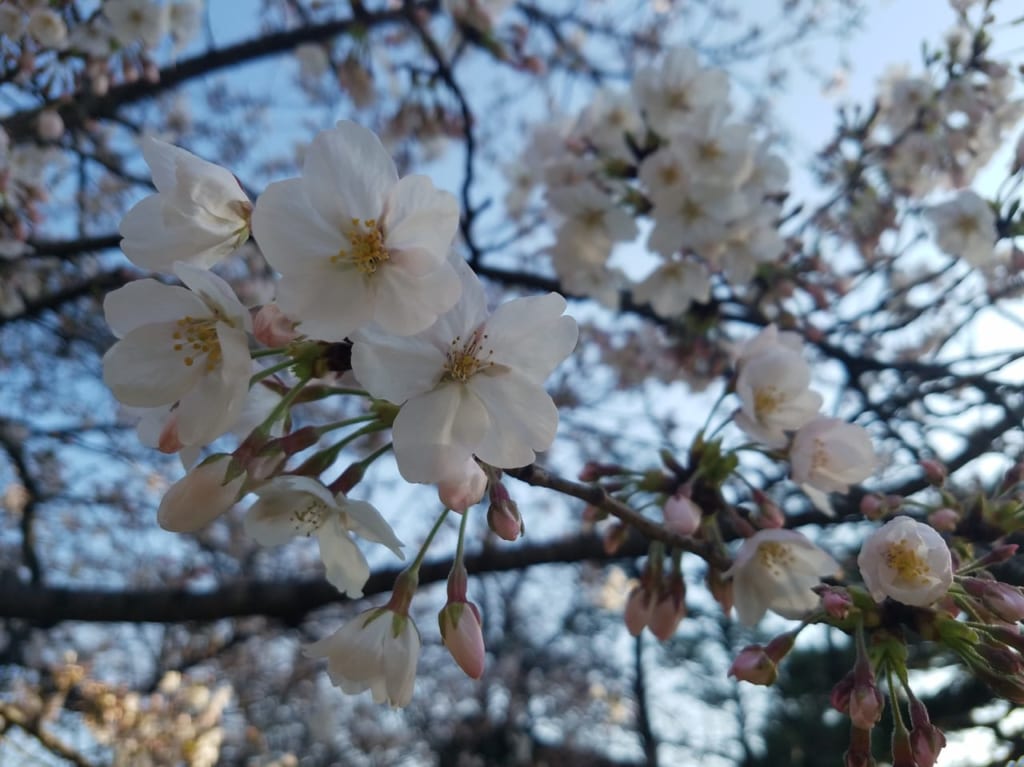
[776, 570]
[471, 384]
[907, 561]
[354, 243]
[184, 345]
[291, 505]
[199, 214]
[830, 455]
[377, 651]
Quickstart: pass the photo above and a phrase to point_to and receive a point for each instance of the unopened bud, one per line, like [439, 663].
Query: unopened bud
[840, 695]
[669, 610]
[944, 520]
[836, 600]
[902, 753]
[753, 665]
[639, 607]
[720, 588]
[770, 516]
[682, 516]
[462, 634]
[503, 514]
[872, 506]
[1006, 601]
[349, 478]
[866, 704]
[926, 740]
[934, 471]
[50, 125]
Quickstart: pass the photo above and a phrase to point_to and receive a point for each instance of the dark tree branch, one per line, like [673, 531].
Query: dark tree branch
[288, 601]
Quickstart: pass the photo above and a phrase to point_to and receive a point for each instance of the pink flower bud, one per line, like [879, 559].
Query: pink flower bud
[926, 740]
[460, 492]
[202, 495]
[770, 516]
[934, 471]
[639, 607]
[503, 514]
[50, 125]
[1006, 601]
[944, 520]
[682, 516]
[271, 327]
[866, 704]
[836, 601]
[669, 610]
[902, 753]
[720, 588]
[872, 507]
[753, 665]
[840, 695]
[462, 633]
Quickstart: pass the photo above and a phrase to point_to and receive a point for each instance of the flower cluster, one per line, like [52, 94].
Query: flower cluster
[365, 266]
[667, 149]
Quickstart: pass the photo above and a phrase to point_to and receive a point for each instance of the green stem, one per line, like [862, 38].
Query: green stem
[268, 352]
[462, 538]
[267, 372]
[282, 407]
[414, 568]
[329, 427]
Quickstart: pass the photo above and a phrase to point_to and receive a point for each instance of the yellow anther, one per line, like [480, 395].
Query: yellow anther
[366, 250]
[906, 562]
[775, 557]
[766, 400]
[309, 518]
[466, 361]
[200, 338]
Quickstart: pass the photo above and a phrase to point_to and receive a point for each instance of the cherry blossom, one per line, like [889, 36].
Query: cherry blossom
[472, 384]
[292, 505]
[965, 226]
[184, 345]
[377, 651]
[775, 570]
[199, 215]
[354, 243]
[774, 396]
[907, 561]
[830, 455]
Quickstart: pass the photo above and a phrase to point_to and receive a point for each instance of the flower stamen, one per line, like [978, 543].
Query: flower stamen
[366, 251]
[197, 338]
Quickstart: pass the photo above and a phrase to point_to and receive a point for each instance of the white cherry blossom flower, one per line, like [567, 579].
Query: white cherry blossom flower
[470, 384]
[290, 505]
[830, 455]
[775, 570]
[774, 395]
[199, 215]
[377, 651]
[907, 561]
[181, 345]
[673, 286]
[965, 226]
[48, 29]
[354, 243]
[672, 92]
[137, 21]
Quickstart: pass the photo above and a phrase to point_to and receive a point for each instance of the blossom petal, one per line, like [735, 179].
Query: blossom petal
[291, 234]
[329, 305]
[531, 335]
[149, 302]
[347, 174]
[141, 370]
[420, 220]
[395, 368]
[346, 567]
[406, 304]
[436, 432]
[523, 419]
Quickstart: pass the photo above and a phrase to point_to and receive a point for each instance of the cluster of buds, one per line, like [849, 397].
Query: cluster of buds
[658, 603]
